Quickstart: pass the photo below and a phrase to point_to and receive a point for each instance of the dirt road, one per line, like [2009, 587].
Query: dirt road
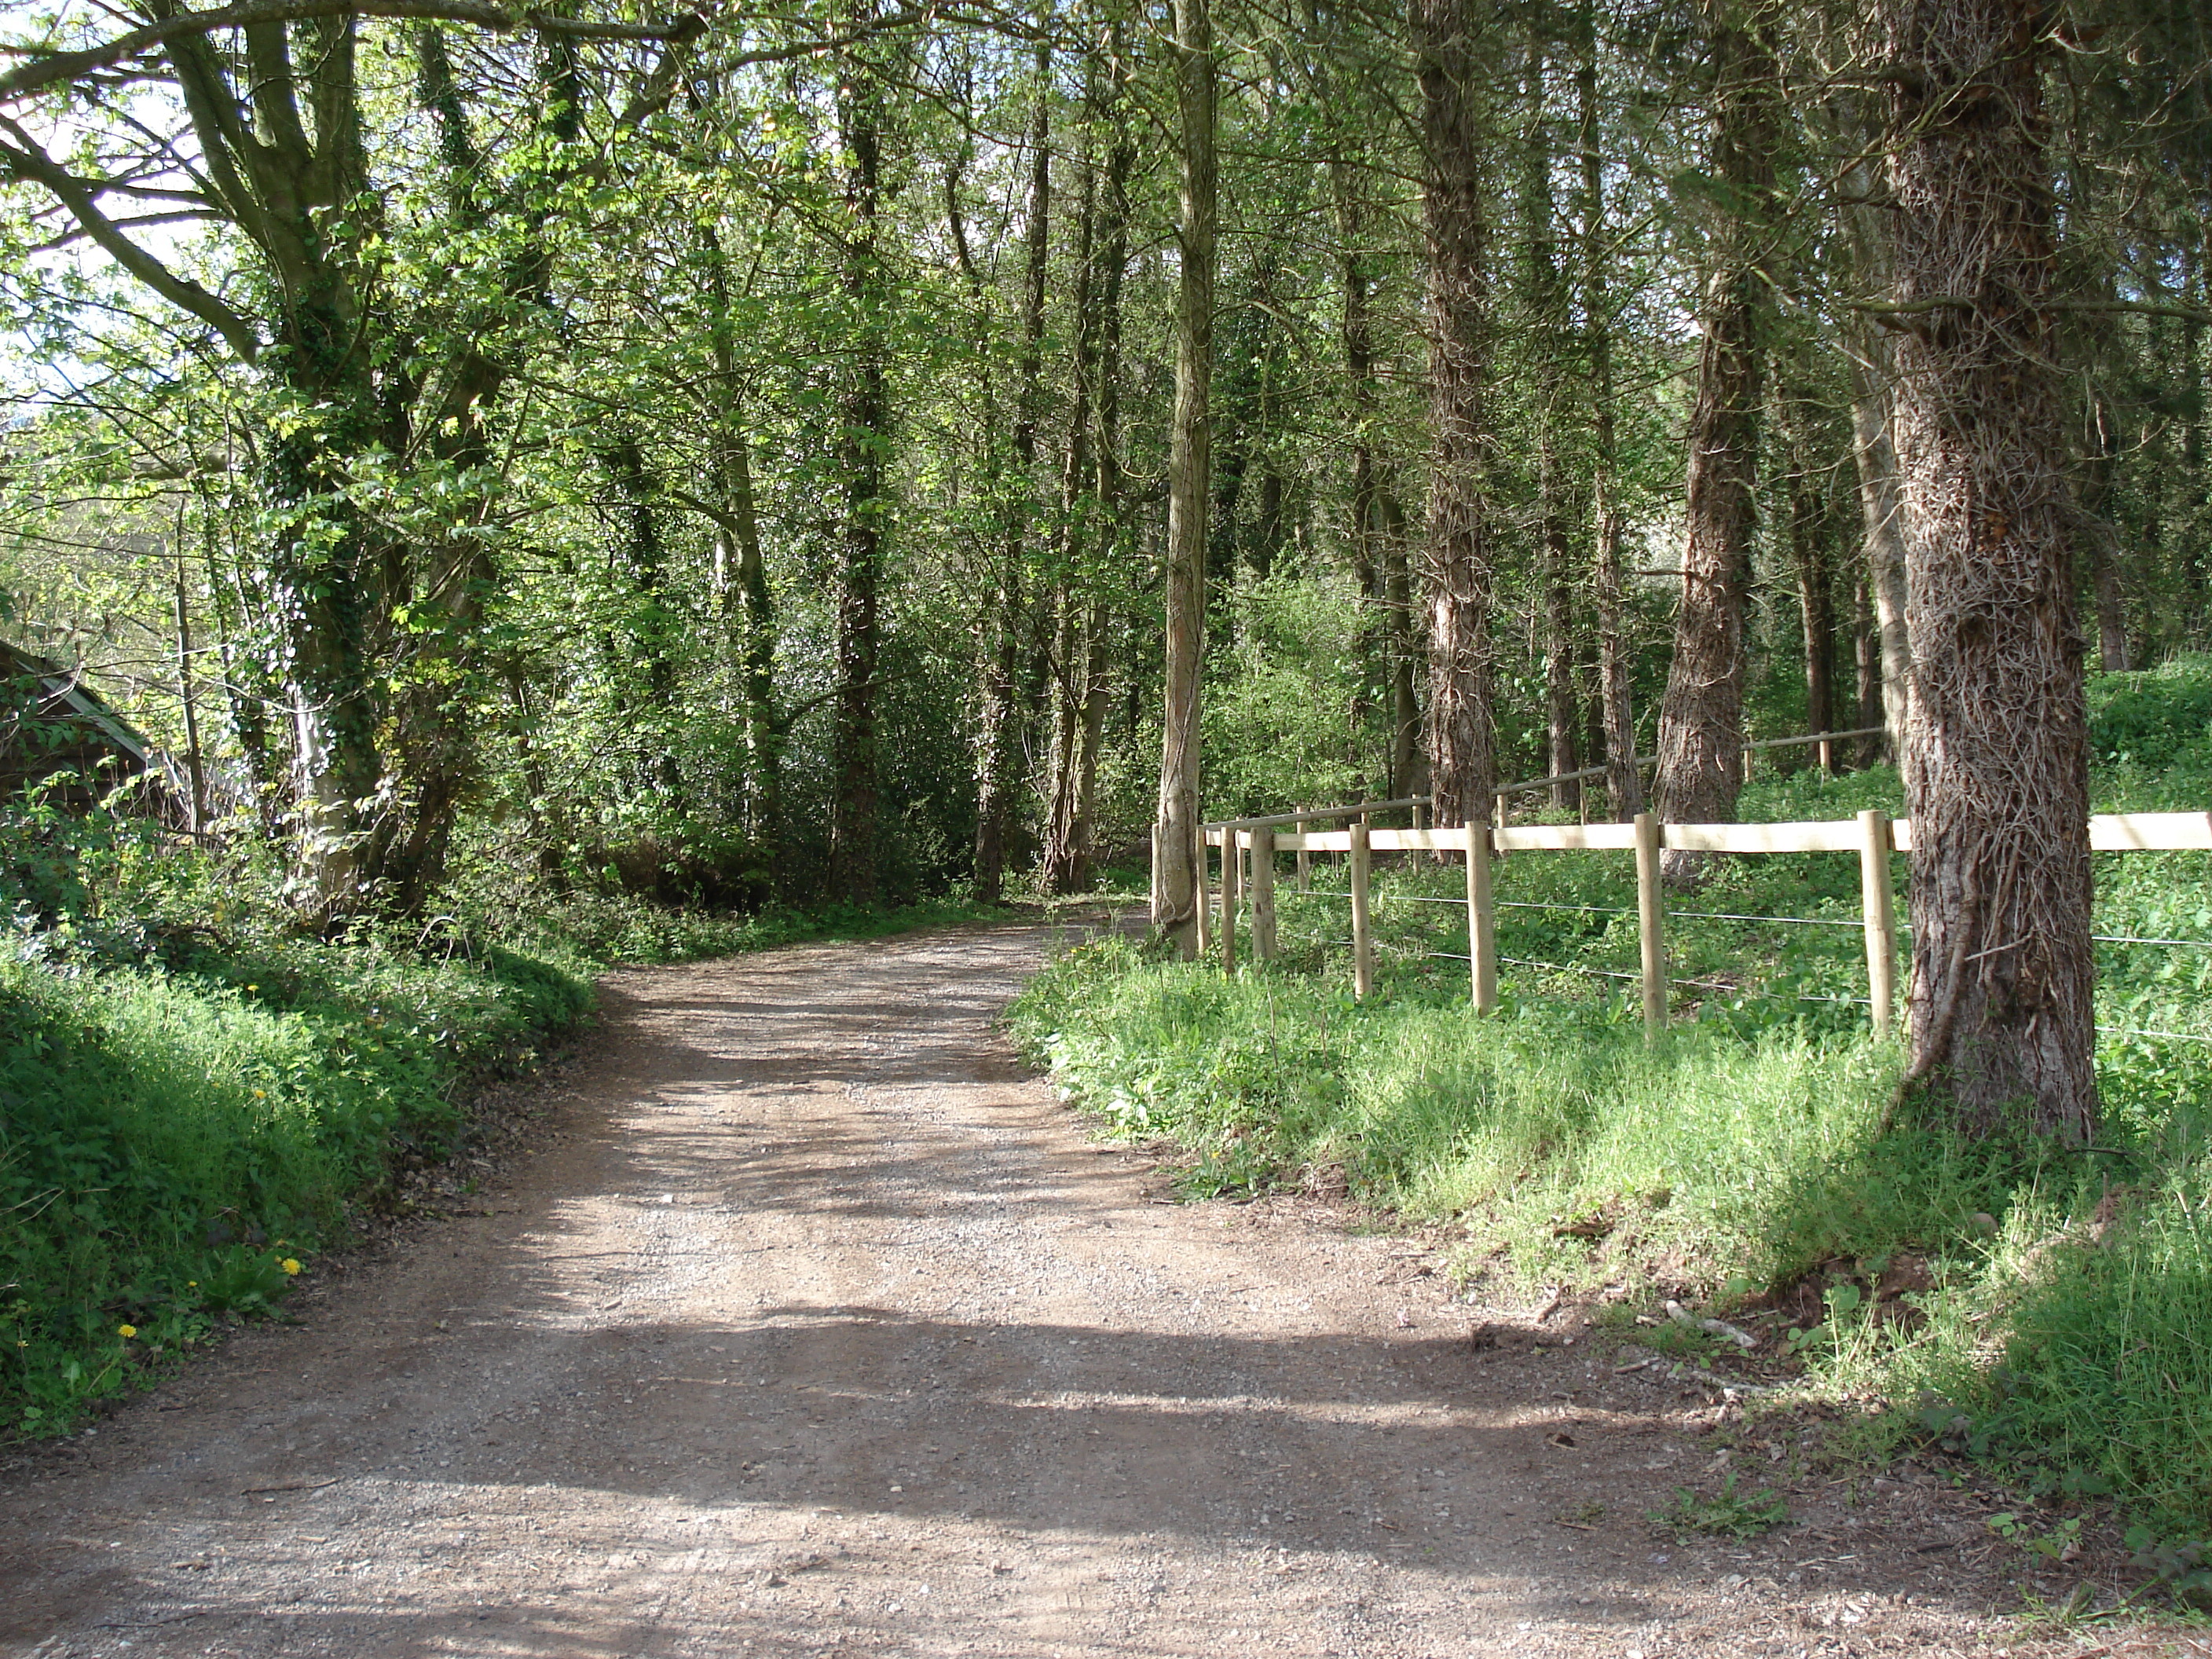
[812, 1325]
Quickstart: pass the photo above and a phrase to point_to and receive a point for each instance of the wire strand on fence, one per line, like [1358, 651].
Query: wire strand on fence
[2178, 1036]
[1611, 973]
[2126, 939]
[1594, 909]
[1725, 916]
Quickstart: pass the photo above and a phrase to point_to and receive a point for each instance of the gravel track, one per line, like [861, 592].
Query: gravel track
[811, 1325]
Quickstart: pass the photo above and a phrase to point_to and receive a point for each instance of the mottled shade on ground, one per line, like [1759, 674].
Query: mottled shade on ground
[810, 1324]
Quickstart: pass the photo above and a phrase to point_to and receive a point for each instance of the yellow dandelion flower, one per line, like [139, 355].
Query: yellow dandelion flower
[126, 1332]
[261, 1094]
[290, 1264]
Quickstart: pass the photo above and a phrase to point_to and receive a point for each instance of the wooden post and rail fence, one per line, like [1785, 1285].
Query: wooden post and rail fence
[1254, 843]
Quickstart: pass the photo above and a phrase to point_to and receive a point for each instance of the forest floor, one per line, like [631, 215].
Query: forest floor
[802, 1320]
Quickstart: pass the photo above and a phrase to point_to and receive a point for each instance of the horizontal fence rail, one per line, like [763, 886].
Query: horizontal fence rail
[1249, 847]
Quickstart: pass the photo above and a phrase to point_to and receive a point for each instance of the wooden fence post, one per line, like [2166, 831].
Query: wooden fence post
[1879, 910]
[1205, 899]
[1651, 921]
[1481, 921]
[1420, 816]
[1363, 941]
[1231, 871]
[1305, 860]
[1263, 893]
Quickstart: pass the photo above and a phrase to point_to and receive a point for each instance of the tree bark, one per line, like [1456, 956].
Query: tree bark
[1816, 606]
[1995, 766]
[1624, 785]
[1455, 569]
[1701, 716]
[1873, 360]
[1175, 825]
[1093, 470]
[999, 747]
[1544, 307]
[863, 437]
[748, 605]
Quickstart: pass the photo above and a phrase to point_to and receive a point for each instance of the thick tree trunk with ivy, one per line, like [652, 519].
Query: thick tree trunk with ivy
[1701, 716]
[1995, 766]
[1455, 569]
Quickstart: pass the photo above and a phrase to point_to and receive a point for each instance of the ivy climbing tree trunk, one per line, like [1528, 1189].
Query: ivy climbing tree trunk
[1995, 763]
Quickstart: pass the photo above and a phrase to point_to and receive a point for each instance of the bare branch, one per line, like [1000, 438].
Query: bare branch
[51, 69]
[26, 161]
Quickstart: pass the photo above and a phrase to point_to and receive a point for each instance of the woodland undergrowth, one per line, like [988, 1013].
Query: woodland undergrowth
[2048, 1311]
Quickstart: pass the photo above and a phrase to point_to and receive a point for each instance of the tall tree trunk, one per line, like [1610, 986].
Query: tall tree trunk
[1996, 770]
[1175, 825]
[1873, 359]
[1816, 607]
[1624, 786]
[863, 437]
[1866, 663]
[1544, 305]
[1112, 533]
[1093, 471]
[998, 780]
[249, 689]
[651, 630]
[749, 607]
[1456, 567]
[188, 693]
[1378, 521]
[1881, 512]
[1071, 602]
[1701, 717]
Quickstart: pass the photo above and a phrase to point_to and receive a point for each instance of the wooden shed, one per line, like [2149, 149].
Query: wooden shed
[51, 722]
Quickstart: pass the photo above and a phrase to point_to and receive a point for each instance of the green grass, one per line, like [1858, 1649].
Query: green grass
[193, 1094]
[2059, 1320]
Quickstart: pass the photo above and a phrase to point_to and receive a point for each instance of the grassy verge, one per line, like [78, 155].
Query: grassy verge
[194, 1099]
[2049, 1310]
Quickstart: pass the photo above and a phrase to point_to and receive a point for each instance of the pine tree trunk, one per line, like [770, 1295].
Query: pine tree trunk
[1455, 572]
[1995, 769]
[1881, 511]
[1701, 717]
[1544, 305]
[1175, 826]
[1870, 350]
[1624, 785]
[1816, 610]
